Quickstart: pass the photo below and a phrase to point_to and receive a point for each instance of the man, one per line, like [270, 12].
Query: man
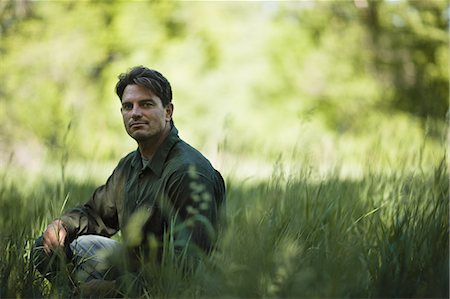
[165, 186]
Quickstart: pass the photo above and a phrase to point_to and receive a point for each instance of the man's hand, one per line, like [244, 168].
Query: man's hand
[54, 236]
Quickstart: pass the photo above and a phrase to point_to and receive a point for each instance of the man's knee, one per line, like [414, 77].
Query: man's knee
[91, 244]
[91, 257]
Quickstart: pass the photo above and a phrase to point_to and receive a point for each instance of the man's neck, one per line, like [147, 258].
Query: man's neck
[148, 148]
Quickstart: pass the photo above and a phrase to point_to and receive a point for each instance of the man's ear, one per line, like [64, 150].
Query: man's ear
[169, 111]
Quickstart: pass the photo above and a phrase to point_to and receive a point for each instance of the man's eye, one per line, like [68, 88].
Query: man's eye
[127, 107]
[147, 104]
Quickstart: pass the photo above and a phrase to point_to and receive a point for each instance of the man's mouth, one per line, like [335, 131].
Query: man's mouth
[137, 124]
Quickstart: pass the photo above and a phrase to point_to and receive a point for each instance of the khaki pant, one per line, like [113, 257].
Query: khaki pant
[88, 254]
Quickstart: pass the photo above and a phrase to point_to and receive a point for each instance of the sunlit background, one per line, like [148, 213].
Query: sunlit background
[327, 119]
[338, 86]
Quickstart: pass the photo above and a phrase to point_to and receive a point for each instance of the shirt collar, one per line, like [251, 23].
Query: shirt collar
[157, 162]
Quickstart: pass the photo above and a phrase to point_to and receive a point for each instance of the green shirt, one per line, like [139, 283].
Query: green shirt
[177, 188]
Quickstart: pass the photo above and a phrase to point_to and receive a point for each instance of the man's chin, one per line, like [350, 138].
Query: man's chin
[141, 136]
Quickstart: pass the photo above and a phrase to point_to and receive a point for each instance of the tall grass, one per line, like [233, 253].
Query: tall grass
[383, 235]
[377, 237]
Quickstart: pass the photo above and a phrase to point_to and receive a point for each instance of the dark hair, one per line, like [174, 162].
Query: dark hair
[148, 78]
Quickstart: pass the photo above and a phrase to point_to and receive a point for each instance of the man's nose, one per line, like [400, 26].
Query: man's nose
[136, 112]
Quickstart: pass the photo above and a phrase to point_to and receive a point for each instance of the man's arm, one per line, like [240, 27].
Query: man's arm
[98, 216]
[196, 197]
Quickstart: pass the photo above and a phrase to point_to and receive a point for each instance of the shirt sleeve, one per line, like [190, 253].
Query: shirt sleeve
[195, 198]
[99, 215]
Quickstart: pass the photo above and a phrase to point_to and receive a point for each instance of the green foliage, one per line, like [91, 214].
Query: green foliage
[291, 236]
[348, 62]
[370, 238]
[265, 67]
[410, 54]
[350, 97]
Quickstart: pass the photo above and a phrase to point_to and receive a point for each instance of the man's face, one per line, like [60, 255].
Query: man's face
[143, 114]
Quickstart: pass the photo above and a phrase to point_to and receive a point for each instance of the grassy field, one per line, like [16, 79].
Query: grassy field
[297, 234]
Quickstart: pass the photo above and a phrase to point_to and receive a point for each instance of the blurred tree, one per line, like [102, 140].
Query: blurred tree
[13, 11]
[408, 41]
[346, 60]
[319, 63]
[268, 67]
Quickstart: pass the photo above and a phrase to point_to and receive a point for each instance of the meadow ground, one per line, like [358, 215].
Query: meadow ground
[294, 234]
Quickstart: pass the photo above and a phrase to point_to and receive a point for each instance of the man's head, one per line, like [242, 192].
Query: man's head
[147, 107]
[148, 78]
